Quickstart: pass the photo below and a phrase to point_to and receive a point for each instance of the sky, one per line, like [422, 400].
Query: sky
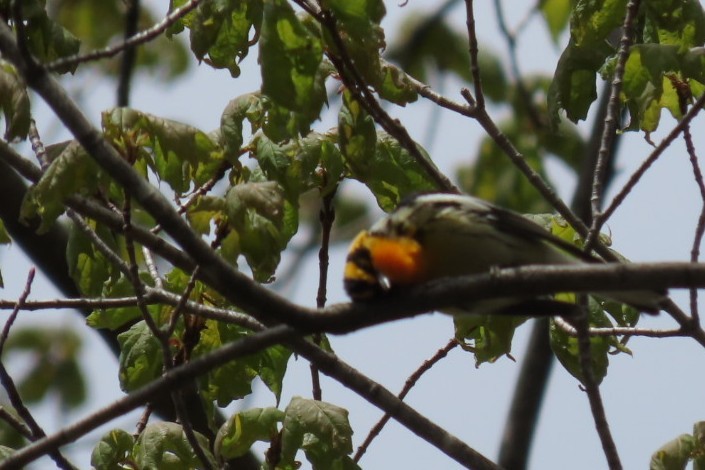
[650, 398]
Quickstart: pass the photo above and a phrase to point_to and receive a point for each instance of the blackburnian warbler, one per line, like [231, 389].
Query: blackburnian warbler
[432, 236]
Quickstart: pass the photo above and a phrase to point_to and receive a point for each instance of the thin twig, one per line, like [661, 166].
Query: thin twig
[593, 392]
[329, 363]
[684, 97]
[15, 311]
[427, 92]
[144, 419]
[327, 217]
[182, 412]
[619, 330]
[655, 154]
[138, 286]
[37, 146]
[181, 304]
[581, 202]
[354, 82]
[152, 296]
[9, 384]
[152, 267]
[170, 381]
[137, 39]
[161, 336]
[409, 384]
[15, 424]
[200, 191]
[474, 63]
[610, 122]
[98, 242]
[532, 175]
[694, 257]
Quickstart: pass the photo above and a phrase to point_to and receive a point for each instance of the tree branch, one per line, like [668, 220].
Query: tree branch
[610, 122]
[135, 40]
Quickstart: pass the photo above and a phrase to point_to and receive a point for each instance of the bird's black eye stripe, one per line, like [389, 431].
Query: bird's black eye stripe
[361, 258]
[359, 289]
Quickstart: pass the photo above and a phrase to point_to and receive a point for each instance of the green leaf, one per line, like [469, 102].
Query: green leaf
[264, 221]
[9, 436]
[647, 85]
[272, 368]
[234, 380]
[673, 455]
[180, 154]
[114, 318]
[322, 430]
[88, 268]
[243, 107]
[299, 165]
[290, 58]
[556, 14]
[141, 359]
[565, 347]
[699, 438]
[488, 337]
[358, 25]
[71, 171]
[241, 430]
[679, 23]
[573, 88]
[358, 16]
[113, 451]
[164, 446]
[203, 213]
[396, 86]
[220, 31]
[594, 20]
[644, 82]
[14, 102]
[377, 159]
[699, 433]
[46, 39]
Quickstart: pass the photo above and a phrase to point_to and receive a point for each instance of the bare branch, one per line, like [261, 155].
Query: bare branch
[140, 38]
[618, 330]
[355, 83]
[655, 154]
[611, 120]
[479, 98]
[410, 382]
[328, 363]
[9, 385]
[593, 391]
[326, 216]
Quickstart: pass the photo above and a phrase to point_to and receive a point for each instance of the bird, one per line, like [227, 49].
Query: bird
[439, 235]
